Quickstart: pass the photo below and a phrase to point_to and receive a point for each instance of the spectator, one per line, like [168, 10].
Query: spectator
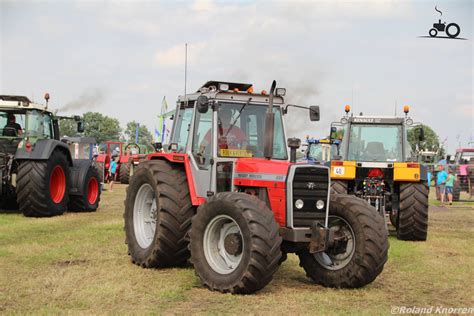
[450, 185]
[441, 178]
[429, 176]
[112, 172]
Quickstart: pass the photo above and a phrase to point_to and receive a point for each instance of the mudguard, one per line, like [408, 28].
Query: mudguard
[78, 173]
[42, 150]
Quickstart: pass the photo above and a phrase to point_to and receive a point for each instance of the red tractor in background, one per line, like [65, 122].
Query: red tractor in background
[130, 155]
[228, 195]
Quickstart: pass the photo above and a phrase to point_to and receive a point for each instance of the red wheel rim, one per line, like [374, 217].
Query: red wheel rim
[57, 184]
[92, 190]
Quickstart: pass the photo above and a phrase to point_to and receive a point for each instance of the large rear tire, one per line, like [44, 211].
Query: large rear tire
[338, 187]
[126, 171]
[158, 213]
[43, 186]
[235, 243]
[89, 200]
[100, 168]
[360, 257]
[413, 214]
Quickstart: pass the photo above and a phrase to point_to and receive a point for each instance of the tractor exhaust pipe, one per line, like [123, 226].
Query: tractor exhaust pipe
[269, 125]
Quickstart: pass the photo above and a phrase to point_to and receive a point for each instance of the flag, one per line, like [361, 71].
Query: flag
[157, 133]
[164, 106]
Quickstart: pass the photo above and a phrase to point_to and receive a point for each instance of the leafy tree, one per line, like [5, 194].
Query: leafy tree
[144, 135]
[431, 142]
[101, 127]
[67, 128]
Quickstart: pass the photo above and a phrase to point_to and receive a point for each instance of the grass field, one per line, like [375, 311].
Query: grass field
[78, 263]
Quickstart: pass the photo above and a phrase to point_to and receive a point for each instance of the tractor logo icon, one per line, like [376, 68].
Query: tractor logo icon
[452, 29]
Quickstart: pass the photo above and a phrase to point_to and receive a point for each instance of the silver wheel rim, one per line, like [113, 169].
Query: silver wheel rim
[338, 261]
[144, 216]
[213, 243]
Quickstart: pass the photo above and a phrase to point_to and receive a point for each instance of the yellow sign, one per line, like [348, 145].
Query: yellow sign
[235, 153]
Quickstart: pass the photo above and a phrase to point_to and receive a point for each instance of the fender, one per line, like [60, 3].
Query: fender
[78, 174]
[42, 150]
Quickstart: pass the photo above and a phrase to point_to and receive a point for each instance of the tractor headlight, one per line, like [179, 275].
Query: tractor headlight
[299, 204]
[320, 204]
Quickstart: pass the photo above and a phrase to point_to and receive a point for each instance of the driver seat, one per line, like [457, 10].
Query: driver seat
[376, 151]
[9, 131]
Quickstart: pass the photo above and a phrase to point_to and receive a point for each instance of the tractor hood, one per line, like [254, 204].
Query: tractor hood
[261, 169]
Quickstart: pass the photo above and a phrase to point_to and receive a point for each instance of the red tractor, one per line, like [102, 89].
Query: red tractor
[229, 196]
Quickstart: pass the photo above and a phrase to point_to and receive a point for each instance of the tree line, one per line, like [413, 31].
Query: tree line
[104, 128]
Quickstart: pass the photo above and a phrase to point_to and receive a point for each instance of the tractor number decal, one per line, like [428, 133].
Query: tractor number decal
[235, 153]
[260, 176]
[338, 171]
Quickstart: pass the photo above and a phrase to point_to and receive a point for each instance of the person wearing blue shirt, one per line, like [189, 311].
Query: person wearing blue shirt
[441, 178]
[112, 172]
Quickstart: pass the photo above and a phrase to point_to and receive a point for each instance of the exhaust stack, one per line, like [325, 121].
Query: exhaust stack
[269, 125]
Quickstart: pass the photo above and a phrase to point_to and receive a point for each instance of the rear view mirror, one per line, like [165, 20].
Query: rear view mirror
[80, 127]
[202, 104]
[421, 136]
[314, 113]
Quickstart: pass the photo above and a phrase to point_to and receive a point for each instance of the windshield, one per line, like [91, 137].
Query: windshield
[370, 142]
[241, 131]
[321, 152]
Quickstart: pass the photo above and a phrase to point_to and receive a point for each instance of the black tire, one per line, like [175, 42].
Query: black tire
[89, 200]
[455, 34]
[260, 243]
[338, 187]
[413, 214]
[125, 171]
[366, 259]
[433, 32]
[34, 194]
[174, 211]
[456, 192]
[100, 168]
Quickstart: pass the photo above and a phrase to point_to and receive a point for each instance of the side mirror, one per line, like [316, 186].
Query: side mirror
[333, 134]
[314, 113]
[202, 104]
[80, 127]
[421, 137]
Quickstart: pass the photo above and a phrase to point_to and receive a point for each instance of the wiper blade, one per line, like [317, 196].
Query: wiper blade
[235, 120]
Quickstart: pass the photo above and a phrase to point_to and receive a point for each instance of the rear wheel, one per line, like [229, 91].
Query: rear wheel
[126, 171]
[235, 243]
[43, 186]
[338, 187]
[413, 214]
[89, 200]
[360, 249]
[100, 168]
[158, 214]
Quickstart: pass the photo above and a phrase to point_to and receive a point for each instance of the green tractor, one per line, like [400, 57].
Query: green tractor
[38, 174]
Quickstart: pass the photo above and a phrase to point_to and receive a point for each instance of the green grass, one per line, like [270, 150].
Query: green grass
[78, 263]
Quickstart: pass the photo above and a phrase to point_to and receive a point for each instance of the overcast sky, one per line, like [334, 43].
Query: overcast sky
[121, 58]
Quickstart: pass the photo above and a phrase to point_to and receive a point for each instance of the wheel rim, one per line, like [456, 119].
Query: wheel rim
[336, 259]
[92, 190]
[223, 244]
[57, 184]
[145, 215]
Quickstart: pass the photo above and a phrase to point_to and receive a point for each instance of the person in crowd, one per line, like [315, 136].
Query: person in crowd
[112, 172]
[441, 178]
[449, 185]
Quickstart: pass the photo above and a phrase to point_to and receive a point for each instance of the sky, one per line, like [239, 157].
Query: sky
[121, 58]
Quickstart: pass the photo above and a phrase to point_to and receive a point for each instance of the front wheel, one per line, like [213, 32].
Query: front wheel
[413, 214]
[89, 200]
[360, 246]
[433, 32]
[235, 243]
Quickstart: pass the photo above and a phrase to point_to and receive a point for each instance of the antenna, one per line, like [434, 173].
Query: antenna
[185, 71]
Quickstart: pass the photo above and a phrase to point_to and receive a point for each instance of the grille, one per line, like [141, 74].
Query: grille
[310, 184]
